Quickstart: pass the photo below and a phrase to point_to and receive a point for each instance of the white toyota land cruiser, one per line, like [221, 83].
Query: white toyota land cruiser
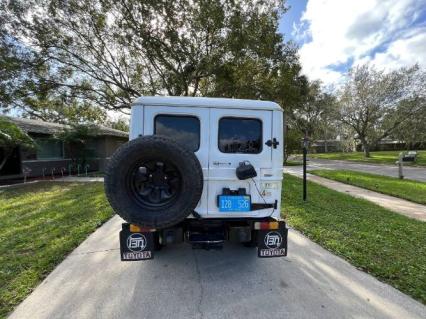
[200, 170]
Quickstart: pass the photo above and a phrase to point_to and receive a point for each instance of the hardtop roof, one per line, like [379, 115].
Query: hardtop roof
[207, 102]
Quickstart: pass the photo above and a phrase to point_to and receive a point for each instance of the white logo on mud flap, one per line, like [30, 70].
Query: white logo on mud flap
[273, 240]
[136, 242]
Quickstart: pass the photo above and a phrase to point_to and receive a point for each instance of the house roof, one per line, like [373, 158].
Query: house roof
[207, 102]
[49, 128]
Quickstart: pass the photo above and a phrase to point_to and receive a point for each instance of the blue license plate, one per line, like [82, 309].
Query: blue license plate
[235, 203]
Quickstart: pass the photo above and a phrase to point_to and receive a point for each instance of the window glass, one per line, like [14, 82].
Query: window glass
[240, 135]
[184, 129]
[49, 148]
[92, 148]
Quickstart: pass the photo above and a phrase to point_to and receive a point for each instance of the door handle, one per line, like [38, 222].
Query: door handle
[274, 143]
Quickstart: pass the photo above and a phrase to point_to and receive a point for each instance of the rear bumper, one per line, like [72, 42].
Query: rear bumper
[269, 235]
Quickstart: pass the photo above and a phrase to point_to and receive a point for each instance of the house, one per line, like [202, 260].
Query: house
[52, 156]
[326, 146]
[387, 144]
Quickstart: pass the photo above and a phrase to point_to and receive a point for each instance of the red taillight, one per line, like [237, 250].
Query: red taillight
[139, 229]
[266, 225]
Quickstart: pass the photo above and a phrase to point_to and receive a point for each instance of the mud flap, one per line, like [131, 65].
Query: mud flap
[272, 242]
[136, 245]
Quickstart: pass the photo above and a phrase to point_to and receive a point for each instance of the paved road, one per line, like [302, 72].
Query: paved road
[232, 283]
[416, 173]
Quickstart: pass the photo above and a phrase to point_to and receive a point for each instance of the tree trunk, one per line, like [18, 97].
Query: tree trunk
[366, 148]
[325, 142]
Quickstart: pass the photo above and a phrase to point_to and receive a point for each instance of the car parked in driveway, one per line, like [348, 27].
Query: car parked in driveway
[200, 170]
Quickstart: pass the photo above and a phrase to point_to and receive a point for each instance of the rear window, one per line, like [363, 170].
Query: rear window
[182, 128]
[240, 135]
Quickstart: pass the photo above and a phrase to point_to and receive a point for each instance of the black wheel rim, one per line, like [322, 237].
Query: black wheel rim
[154, 183]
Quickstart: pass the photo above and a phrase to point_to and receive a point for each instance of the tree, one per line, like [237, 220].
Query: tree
[120, 124]
[313, 115]
[375, 104]
[317, 111]
[62, 110]
[75, 139]
[413, 131]
[109, 52]
[292, 142]
[22, 87]
[11, 137]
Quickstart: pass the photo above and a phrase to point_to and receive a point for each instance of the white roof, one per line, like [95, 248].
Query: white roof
[207, 102]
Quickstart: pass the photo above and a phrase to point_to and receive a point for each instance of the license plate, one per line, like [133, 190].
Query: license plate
[234, 203]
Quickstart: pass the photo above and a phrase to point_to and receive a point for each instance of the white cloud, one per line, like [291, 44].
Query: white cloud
[342, 33]
[402, 52]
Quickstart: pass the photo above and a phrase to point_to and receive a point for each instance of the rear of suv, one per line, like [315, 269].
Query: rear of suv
[199, 170]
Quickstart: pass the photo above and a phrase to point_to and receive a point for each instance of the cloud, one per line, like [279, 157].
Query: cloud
[338, 34]
[402, 52]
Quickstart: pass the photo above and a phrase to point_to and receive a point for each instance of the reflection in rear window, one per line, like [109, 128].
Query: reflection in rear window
[240, 135]
[183, 129]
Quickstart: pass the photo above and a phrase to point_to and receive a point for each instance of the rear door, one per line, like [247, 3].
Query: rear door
[237, 136]
[187, 125]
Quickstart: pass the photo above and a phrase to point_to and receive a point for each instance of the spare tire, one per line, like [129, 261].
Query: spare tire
[153, 181]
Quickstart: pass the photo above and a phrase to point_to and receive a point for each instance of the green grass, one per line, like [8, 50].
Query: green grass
[407, 189]
[293, 163]
[39, 225]
[387, 245]
[384, 157]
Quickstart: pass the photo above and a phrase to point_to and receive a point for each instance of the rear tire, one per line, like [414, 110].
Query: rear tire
[153, 181]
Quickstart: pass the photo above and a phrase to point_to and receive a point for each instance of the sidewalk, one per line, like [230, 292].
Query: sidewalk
[394, 204]
[417, 173]
[82, 179]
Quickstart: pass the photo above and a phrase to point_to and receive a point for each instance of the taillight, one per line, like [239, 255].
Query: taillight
[266, 225]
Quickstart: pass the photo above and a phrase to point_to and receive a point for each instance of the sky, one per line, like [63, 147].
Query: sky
[335, 35]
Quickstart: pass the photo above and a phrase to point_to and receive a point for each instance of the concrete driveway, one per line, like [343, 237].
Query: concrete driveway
[232, 283]
[415, 173]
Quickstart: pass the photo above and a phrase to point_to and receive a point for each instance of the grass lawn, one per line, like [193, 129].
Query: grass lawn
[293, 163]
[387, 245]
[404, 188]
[384, 157]
[39, 225]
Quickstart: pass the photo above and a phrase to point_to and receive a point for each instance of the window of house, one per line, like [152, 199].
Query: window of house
[240, 135]
[49, 148]
[91, 149]
[182, 128]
